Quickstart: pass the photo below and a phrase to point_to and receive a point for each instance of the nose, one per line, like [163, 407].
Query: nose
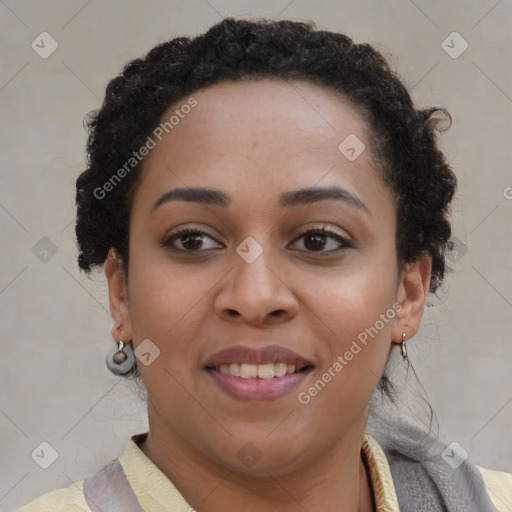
[256, 293]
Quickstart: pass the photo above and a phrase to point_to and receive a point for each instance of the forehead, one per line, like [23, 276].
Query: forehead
[253, 110]
[262, 136]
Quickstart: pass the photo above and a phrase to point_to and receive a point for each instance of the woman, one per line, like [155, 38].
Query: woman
[271, 211]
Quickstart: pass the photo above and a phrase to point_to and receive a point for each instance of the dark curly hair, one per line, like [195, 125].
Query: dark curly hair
[402, 138]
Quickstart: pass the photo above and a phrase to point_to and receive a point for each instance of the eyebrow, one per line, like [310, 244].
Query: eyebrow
[302, 196]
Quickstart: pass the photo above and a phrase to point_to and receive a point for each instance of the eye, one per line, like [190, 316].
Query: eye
[319, 239]
[322, 240]
[190, 240]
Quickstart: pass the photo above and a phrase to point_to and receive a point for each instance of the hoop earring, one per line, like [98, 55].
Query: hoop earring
[121, 359]
[403, 347]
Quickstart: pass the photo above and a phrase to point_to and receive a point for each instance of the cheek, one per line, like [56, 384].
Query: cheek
[168, 305]
[351, 300]
[356, 316]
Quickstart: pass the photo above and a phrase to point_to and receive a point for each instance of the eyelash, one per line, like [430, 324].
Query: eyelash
[168, 241]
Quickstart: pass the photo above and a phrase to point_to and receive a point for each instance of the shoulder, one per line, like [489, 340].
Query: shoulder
[70, 499]
[499, 488]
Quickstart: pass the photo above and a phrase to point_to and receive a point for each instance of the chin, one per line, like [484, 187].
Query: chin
[260, 456]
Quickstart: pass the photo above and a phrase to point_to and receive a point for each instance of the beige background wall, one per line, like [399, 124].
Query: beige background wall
[54, 387]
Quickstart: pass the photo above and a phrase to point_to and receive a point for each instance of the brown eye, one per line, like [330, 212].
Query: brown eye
[322, 240]
[315, 241]
[191, 240]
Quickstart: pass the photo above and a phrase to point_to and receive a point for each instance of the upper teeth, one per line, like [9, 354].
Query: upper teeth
[263, 371]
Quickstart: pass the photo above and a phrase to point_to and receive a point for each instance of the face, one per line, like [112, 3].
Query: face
[286, 268]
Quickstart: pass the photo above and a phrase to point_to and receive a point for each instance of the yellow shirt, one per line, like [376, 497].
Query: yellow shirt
[156, 493]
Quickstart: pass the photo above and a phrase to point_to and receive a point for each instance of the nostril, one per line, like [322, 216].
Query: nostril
[277, 312]
[232, 312]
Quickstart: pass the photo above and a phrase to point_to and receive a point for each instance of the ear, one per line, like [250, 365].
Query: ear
[413, 288]
[118, 297]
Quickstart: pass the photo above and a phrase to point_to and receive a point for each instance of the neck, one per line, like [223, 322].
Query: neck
[331, 482]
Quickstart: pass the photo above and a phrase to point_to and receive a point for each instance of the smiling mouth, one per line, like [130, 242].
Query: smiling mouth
[259, 371]
[257, 375]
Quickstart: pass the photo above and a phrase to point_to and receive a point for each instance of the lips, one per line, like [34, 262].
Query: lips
[270, 355]
[267, 373]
